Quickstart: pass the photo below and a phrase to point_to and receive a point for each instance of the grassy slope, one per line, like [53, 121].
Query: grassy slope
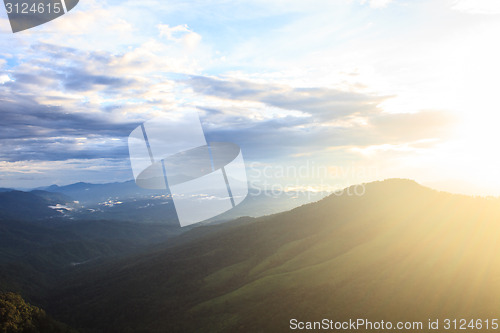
[34, 257]
[400, 252]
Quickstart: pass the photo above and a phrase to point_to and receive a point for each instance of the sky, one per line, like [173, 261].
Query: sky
[318, 94]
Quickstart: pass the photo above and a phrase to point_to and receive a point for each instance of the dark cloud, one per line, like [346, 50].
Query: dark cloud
[66, 79]
[31, 131]
[23, 117]
[54, 51]
[79, 80]
[39, 79]
[68, 69]
[60, 149]
[321, 103]
[276, 138]
[271, 138]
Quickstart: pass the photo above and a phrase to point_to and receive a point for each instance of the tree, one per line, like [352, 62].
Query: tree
[17, 316]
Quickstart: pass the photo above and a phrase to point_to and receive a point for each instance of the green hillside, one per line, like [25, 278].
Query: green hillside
[399, 252]
[36, 256]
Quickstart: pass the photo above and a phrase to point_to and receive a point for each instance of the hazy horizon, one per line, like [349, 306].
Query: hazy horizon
[452, 187]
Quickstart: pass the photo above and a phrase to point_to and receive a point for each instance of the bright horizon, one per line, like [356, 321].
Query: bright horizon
[366, 90]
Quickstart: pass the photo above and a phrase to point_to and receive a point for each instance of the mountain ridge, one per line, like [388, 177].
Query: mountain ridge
[126, 201]
[343, 256]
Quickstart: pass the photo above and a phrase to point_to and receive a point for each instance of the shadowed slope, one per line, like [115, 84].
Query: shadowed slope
[399, 252]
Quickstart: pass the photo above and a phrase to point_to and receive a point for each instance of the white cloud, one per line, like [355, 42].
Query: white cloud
[180, 33]
[477, 6]
[4, 78]
[171, 32]
[377, 3]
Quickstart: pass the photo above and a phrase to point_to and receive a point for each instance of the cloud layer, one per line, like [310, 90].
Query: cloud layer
[333, 81]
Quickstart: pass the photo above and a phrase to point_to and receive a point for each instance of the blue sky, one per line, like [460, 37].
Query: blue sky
[365, 90]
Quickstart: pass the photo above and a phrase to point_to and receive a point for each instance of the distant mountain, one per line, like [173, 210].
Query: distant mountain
[53, 198]
[33, 206]
[259, 203]
[117, 201]
[91, 194]
[128, 202]
[399, 252]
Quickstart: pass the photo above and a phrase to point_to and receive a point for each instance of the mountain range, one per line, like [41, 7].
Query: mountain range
[127, 202]
[396, 252]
